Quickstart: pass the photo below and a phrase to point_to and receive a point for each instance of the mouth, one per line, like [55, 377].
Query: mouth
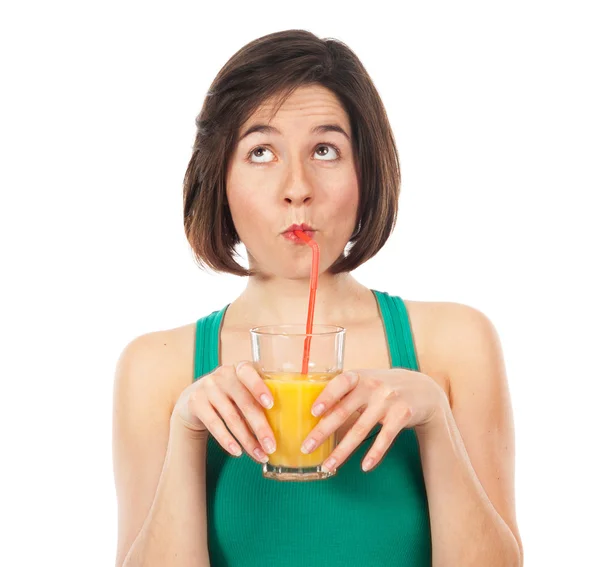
[289, 232]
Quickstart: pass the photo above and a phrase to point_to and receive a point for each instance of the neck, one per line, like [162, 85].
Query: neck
[277, 301]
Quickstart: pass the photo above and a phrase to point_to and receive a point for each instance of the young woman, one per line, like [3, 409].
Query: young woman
[293, 134]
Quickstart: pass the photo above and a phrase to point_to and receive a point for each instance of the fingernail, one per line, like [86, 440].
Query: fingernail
[318, 410]
[266, 401]
[308, 446]
[269, 445]
[260, 455]
[235, 449]
[328, 465]
[367, 464]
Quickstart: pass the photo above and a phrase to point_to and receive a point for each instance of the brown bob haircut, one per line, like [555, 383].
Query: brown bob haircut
[272, 67]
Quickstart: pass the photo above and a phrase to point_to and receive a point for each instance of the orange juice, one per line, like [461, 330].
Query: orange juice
[294, 395]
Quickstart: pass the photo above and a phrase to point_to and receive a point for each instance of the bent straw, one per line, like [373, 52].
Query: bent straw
[314, 274]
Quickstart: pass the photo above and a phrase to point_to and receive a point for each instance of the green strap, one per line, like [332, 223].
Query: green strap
[206, 352]
[398, 330]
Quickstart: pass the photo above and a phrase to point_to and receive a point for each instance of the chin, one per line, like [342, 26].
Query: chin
[287, 268]
[293, 270]
[293, 263]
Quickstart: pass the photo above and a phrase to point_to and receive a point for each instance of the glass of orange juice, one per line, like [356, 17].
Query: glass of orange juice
[277, 352]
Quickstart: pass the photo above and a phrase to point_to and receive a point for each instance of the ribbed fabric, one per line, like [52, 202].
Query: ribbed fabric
[378, 518]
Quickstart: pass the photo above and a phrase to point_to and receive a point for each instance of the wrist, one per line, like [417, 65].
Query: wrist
[180, 430]
[437, 423]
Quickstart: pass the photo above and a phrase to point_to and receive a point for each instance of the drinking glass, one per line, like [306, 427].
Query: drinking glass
[278, 354]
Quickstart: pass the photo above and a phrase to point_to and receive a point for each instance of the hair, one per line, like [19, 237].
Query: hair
[272, 67]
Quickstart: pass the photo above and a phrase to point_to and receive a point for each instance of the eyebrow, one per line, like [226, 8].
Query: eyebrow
[266, 129]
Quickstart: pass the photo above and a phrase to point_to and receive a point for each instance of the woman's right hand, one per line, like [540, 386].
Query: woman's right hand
[232, 396]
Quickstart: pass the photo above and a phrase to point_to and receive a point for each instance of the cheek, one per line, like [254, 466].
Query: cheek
[345, 203]
[245, 211]
[243, 199]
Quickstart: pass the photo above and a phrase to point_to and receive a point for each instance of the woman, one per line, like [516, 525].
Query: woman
[293, 132]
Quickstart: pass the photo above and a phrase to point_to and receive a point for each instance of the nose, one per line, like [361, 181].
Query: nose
[298, 189]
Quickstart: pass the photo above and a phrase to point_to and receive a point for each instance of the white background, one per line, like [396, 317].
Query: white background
[495, 110]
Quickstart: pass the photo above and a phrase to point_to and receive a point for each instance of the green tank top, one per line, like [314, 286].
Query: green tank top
[377, 518]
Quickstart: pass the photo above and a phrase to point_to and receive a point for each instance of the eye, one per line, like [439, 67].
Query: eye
[260, 153]
[328, 152]
[253, 153]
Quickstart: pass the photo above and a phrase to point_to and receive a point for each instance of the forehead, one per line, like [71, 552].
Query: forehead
[306, 102]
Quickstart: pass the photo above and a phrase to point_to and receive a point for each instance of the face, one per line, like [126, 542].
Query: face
[288, 171]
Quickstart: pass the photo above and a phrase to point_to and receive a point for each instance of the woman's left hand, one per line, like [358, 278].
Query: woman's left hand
[396, 398]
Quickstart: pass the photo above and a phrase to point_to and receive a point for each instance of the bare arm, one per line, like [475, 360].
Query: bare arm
[159, 464]
[468, 453]
[174, 533]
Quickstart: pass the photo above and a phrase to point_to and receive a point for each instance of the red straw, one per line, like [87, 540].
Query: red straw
[314, 275]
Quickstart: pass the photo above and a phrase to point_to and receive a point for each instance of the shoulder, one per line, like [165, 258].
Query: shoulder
[454, 341]
[446, 319]
[159, 362]
[448, 325]
[461, 332]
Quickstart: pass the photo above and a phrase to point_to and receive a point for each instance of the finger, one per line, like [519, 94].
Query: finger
[254, 415]
[205, 412]
[234, 421]
[335, 390]
[390, 430]
[358, 432]
[253, 381]
[379, 448]
[332, 421]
